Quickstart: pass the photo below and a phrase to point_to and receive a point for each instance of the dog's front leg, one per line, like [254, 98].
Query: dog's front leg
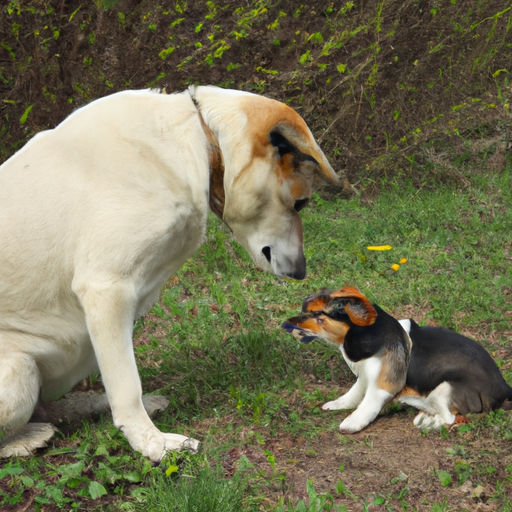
[367, 411]
[351, 399]
[109, 311]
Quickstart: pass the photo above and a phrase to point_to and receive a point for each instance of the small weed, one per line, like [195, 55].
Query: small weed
[440, 507]
[317, 503]
[445, 478]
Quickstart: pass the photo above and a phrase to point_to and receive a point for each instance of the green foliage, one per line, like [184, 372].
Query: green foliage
[445, 478]
[165, 53]
[103, 473]
[415, 106]
[343, 65]
[24, 117]
[106, 4]
[323, 502]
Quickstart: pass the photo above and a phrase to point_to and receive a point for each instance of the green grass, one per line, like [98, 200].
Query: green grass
[214, 346]
[205, 491]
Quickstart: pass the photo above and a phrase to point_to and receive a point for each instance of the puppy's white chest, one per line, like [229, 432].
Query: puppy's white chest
[355, 367]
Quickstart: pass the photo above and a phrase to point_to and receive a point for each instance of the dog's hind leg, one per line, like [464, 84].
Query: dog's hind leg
[434, 407]
[110, 310]
[20, 382]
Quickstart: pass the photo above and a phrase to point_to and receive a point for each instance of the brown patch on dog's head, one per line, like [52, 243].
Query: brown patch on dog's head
[358, 307]
[271, 164]
[317, 302]
[347, 300]
[330, 314]
[277, 123]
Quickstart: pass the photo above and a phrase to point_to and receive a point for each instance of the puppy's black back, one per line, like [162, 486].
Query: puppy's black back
[441, 355]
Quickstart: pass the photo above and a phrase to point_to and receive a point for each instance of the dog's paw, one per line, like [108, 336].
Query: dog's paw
[26, 440]
[428, 422]
[160, 444]
[352, 424]
[338, 404]
[154, 444]
[176, 442]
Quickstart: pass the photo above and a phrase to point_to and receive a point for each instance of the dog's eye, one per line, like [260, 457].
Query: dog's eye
[300, 203]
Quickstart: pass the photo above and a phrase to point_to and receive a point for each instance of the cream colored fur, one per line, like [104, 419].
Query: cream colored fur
[99, 212]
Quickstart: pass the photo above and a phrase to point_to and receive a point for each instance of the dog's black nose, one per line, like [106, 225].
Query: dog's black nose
[288, 326]
[299, 274]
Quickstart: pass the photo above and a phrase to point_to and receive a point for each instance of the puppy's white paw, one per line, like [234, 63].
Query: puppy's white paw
[419, 419]
[427, 421]
[351, 425]
[338, 404]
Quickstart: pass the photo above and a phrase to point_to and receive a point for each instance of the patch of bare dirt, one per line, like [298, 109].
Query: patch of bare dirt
[389, 459]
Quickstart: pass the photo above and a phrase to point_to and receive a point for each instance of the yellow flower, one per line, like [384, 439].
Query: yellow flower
[379, 247]
[403, 260]
[395, 267]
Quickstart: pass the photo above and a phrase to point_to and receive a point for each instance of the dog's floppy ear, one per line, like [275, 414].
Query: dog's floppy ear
[357, 306]
[317, 302]
[287, 138]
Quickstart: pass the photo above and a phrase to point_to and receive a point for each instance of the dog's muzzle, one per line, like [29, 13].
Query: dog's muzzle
[298, 333]
[286, 267]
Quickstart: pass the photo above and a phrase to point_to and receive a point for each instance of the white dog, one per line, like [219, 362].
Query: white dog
[96, 215]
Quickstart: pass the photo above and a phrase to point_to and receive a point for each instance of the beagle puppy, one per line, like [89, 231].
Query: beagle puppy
[443, 374]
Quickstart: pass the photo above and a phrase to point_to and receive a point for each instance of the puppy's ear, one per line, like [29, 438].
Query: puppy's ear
[315, 303]
[357, 306]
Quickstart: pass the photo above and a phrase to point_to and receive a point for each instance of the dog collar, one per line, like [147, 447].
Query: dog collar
[217, 197]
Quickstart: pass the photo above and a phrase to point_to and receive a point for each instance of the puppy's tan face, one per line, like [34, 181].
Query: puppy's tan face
[311, 326]
[330, 314]
[279, 162]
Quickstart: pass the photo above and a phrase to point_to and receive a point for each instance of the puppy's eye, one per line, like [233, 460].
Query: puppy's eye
[300, 203]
